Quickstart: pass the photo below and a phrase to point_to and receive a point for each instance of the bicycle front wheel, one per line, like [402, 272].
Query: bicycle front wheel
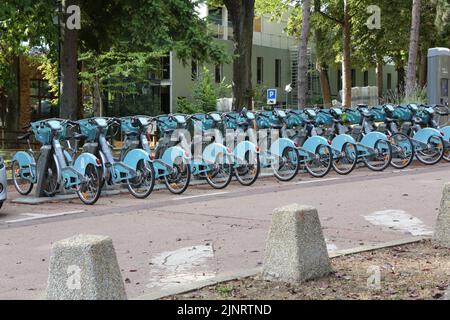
[90, 188]
[221, 172]
[345, 162]
[142, 184]
[178, 179]
[433, 152]
[402, 151]
[381, 156]
[285, 168]
[320, 165]
[247, 172]
[51, 178]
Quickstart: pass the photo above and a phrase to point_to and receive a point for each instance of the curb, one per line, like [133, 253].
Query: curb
[106, 192]
[163, 293]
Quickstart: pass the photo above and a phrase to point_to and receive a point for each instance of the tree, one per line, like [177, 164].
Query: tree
[69, 67]
[411, 79]
[302, 82]
[242, 13]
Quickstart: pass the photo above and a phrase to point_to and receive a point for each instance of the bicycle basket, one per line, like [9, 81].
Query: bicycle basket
[126, 126]
[41, 134]
[324, 118]
[265, 122]
[351, 116]
[88, 129]
[231, 121]
[295, 118]
[402, 114]
[378, 114]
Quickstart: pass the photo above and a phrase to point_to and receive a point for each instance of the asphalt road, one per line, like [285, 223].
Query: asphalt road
[169, 240]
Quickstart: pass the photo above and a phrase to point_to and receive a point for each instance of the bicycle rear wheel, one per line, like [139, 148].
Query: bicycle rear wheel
[23, 186]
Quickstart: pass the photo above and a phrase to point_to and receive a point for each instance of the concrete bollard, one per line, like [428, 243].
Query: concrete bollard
[441, 235]
[85, 267]
[295, 250]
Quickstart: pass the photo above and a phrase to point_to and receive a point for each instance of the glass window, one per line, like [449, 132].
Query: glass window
[257, 24]
[389, 81]
[353, 72]
[277, 73]
[260, 70]
[366, 78]
[40, 102]
[444, 87]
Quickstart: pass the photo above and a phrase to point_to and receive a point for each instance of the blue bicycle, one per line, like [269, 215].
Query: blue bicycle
[81, 175]
[247, 166]
[134, 168]
[210, 160]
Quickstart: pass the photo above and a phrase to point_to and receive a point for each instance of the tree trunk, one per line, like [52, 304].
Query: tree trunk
[12, 116]
[242, 14]
[97, 103]
[321, 66]
[423, 69]
[411, 79]
[324, 83]
[302, 82]
[69, 70]
[380, 84]
[346, 63]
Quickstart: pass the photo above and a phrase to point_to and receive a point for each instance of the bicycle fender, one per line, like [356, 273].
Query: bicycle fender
[134, 156]
[372, 138]
[279, 145]
[172, 153]
[340, 140]
[312, 143]
[446, 132]
[24, 159]
[423, 135]
[213, 150]
[243, 147]
[83, 160]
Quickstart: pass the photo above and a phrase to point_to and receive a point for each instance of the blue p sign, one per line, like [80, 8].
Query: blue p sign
[271, 96]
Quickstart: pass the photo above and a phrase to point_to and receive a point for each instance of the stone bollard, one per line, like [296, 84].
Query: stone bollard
[441, 235]
[84, 267]
[295, 250]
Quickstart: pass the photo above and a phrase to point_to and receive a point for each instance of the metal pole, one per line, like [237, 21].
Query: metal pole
[59, 54]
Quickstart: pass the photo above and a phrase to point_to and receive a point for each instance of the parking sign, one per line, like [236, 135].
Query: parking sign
[271, 96]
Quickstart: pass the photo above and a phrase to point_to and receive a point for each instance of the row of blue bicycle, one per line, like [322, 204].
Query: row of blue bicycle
[225, 145]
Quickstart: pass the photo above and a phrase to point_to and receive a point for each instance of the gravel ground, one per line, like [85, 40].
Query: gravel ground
[411, 272]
